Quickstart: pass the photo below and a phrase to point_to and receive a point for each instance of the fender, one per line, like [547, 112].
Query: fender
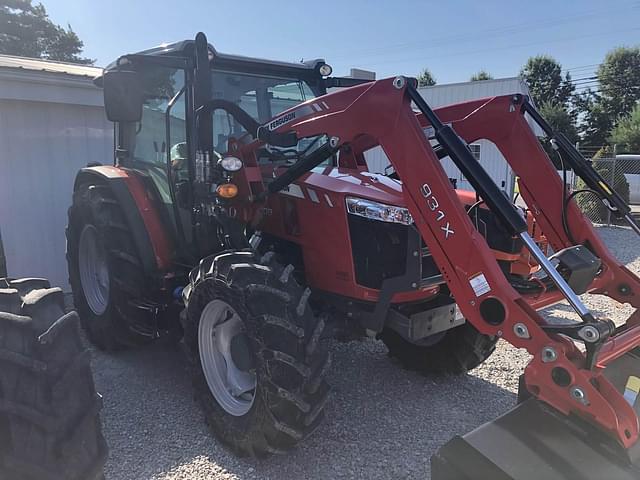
[142, 216]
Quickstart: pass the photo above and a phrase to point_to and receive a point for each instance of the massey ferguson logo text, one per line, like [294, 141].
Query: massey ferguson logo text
[282, 120]
[432, 203]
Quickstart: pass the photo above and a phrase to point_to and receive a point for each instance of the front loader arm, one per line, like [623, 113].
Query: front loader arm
[559, 373]
[501, 121]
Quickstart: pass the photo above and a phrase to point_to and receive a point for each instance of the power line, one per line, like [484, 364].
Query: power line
[583, 69]
[508, 47]
[485, 34]
[590, 77]
[611, 91]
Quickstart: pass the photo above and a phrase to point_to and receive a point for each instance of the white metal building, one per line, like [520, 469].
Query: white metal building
[485, 151]
[52, 123]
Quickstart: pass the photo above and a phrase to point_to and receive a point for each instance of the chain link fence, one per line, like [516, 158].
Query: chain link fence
[622, 172]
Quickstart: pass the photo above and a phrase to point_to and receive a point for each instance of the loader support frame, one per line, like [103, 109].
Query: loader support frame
[559, 373]
[513, 221]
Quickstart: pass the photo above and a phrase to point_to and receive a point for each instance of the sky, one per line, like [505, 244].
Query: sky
[453, 38]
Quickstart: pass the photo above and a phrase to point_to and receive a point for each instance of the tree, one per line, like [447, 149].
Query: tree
[596, 123]
[26, 30]
[481, 75]
[619, 79]
[543, 74]
[426, 79]
[561, 121]
[618, 94]
[626, 134]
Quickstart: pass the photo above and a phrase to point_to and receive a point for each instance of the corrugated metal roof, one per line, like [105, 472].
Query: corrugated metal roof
[37, 65]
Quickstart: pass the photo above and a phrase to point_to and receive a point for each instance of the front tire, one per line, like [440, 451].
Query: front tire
[275, 343]
[459, 350]
[49, 410]
[105, 271]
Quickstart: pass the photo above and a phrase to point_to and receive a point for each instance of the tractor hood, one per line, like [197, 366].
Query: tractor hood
[368, 185]
[348, 182]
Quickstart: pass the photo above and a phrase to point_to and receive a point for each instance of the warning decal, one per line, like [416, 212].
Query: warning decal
[479, 284]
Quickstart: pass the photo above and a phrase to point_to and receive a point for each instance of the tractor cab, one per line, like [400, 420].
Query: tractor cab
[195, 106]
[157, 100]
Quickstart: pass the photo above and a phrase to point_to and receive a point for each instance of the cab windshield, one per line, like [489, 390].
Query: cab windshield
[261, 97]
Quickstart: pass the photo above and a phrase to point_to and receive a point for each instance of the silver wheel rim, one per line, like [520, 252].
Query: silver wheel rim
[94, 271]
[233, 389]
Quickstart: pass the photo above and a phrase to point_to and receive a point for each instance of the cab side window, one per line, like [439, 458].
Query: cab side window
[160, 86]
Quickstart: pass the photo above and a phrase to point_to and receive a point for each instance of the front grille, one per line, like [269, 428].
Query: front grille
[379, 249]
[430, 273]
[379, 252]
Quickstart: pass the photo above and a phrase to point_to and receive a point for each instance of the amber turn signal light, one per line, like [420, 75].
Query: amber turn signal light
[227, 190]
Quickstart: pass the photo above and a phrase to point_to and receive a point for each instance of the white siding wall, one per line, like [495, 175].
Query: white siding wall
[490, 157]
[42, 146]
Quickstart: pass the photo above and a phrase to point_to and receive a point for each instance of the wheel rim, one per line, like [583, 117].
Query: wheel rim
[233, 388]
[94, 271]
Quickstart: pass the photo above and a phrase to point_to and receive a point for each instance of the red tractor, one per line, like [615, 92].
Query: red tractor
[240, 214]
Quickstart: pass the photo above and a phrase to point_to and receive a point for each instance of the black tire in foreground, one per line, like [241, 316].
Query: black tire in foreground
[284, 352]
[105, 271]
[49, 409]
[459, 350]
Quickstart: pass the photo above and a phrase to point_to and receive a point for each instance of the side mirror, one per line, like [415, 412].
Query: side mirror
[123, 96]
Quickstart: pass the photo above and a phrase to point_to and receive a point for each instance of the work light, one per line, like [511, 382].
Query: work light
[230, 164]
[325, 70]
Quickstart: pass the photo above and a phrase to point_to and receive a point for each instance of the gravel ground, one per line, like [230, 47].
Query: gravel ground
[381, 421]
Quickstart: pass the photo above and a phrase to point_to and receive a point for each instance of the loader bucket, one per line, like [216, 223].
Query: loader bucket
[534, 441]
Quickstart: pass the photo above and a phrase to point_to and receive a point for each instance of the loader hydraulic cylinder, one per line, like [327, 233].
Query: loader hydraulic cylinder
[301, 167]
[459, 152]
[579, 165]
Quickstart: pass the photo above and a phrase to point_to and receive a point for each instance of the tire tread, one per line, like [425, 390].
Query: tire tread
[95, 204]
[462, 348]
[49, 410]
[267, 297]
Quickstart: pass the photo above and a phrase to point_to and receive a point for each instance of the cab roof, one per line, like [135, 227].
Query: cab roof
[224, 61]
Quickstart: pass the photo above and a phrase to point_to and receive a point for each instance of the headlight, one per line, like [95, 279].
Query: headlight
[325, 70]
[230, 164]
[378, 211]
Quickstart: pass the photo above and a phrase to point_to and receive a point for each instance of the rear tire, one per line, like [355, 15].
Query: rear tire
[49, 410]
[460, 349]
[103, 287]
[287, 356]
